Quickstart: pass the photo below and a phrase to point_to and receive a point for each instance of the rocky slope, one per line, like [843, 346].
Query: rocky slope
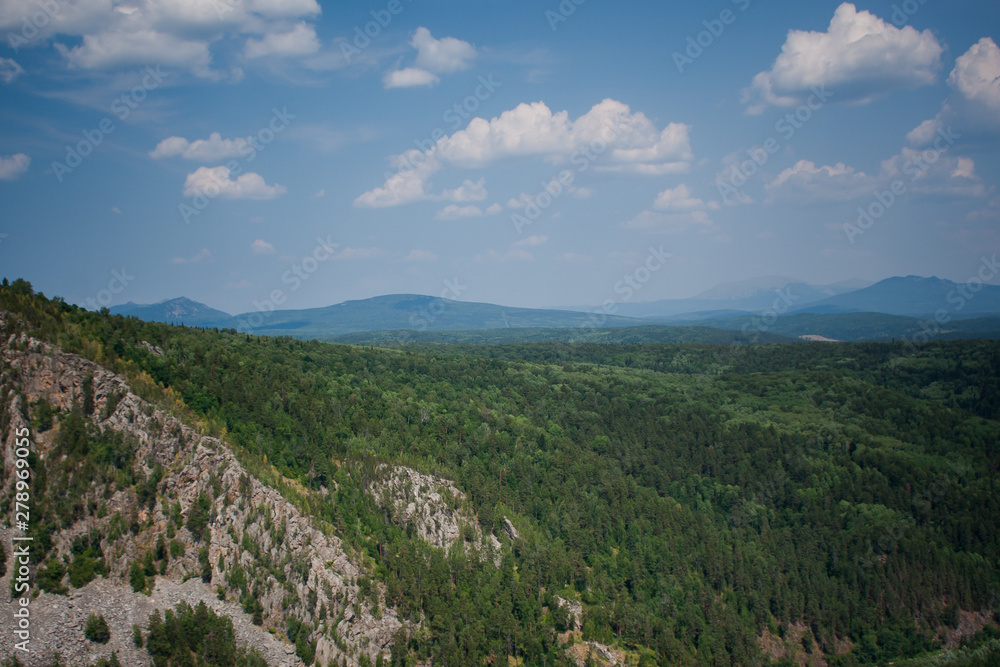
[260, 546]
[437, 511]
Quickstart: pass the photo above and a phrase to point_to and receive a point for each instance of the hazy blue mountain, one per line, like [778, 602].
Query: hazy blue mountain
[414, 312]
[747, 296]
[175, 311]
[914, 296]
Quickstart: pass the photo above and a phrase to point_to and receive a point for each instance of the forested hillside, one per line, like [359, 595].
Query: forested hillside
[710, 505]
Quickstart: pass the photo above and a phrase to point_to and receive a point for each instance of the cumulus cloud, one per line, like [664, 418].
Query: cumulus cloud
[977, 74]
[261, 247]
[531, 241]
[610, 135]
[469, 191]
[456, 212]
[417, 255]
[434, 56]
[118, 48]
[859, 57]
[941, 175]
[215, 182]
[203, 256]
[441, 55]
[409, 78]
[805, 181]
[680, 199]
[12, 166]
[974, 107]
[213, 149]
[300, 40]
[171, 33]
[403, 187]
[9, 70]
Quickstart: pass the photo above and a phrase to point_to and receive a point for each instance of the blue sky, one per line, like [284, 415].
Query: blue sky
[530, 153]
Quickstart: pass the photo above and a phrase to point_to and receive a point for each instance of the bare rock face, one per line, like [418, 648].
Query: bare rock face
[291, 566]
[575, 610]
[438, 512]
[594, 653]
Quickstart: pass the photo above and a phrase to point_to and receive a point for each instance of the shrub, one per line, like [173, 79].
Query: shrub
[97, 629]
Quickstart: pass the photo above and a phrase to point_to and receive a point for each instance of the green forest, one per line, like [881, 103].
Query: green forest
[694, 498]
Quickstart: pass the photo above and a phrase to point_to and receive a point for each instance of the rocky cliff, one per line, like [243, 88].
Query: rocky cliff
[263, 553]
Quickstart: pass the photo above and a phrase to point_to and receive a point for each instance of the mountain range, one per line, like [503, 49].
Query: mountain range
[892, 308]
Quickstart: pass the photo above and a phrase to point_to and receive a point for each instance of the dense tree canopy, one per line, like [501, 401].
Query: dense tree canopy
[693, 498]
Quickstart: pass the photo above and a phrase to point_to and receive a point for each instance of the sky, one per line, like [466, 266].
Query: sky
[300, 153]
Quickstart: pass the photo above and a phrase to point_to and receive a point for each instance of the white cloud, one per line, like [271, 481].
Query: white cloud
[533, 129]
[215, 182]
[118, 48]
[859, 58]
[469, 191]
[116, 210]
[975, 105]
[213, 149]
[628, 142]
[299, 41]
[11, 167]
[679, 198]
[203, 256]
[404, 187]
[455, 212]
[320, 193]
[409, 78]
[9, 70]
[653, 221]
[977, 74]
[261, 247]
[805, 181]
[531, 241]
[946, 175]
[494, 208]
[174, 33]
[441, 55]
[417, 255]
